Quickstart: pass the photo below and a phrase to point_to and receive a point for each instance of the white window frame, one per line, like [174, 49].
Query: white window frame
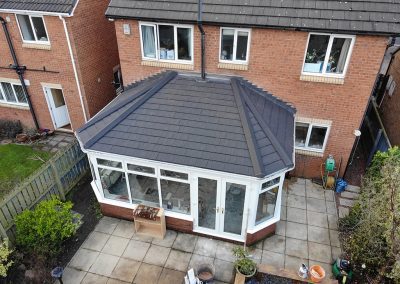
[328, 52]
[157, 42]
[234, 60]
[310, 127]
[36, 41]
[261, 191]
[4, 100]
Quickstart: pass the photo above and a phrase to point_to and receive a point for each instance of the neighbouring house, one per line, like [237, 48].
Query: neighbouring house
[66, 58]
[213, 150]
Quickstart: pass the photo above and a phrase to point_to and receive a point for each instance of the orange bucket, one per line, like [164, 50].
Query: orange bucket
[317, 273]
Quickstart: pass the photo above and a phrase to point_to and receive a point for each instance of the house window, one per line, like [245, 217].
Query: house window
[311, 136]
[328, 54]
[167, 42]
[266, 204]
[12, 93]
[32, 28]
[234, 45]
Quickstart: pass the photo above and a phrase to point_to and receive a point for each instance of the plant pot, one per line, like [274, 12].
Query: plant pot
[21, 137]
[247, 276]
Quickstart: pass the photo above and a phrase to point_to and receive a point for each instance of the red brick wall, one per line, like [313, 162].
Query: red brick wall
[390, 107]
[275, 62]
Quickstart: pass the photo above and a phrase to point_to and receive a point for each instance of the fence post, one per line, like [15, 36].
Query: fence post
[3, 232]
[57, 180]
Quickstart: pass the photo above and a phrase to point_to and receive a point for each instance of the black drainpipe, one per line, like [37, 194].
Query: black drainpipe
[19, 70]
[203, 35]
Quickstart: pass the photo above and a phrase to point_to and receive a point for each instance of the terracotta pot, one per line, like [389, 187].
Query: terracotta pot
[317, 273]
[21, 137]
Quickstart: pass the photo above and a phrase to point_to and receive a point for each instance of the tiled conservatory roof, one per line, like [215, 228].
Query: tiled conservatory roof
[224, 124]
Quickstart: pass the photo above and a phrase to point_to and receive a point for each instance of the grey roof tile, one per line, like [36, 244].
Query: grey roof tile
[54, 6]
[155, 120]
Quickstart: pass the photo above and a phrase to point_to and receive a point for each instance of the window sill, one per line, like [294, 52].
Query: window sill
[233, 66]
[36, 46]
[309, 153]
[16, 106]
[322, 79]
[171, 65]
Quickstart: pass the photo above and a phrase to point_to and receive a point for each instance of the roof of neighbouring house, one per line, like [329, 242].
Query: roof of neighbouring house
[47, 6]
[356, 16]
[223, 123]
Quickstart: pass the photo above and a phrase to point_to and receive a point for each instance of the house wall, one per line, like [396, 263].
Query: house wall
[275, 63]
[390, 107]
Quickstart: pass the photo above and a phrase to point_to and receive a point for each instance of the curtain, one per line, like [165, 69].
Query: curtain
[148, 37]
[343, 56]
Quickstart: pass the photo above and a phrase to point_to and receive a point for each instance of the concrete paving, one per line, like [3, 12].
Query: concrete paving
[113, 253]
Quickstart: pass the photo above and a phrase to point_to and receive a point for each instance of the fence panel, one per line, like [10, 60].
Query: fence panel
[55, 178]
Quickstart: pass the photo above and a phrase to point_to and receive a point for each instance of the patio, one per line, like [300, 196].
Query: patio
[306, 234]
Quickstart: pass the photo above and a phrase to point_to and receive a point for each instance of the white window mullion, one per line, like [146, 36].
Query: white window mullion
[234, 45]
[33, 28]
[2, 93]
[308, 135]
[328, 54]
[15, 94]
[175, 43]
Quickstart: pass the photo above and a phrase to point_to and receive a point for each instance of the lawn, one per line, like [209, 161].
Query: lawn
[16, 163]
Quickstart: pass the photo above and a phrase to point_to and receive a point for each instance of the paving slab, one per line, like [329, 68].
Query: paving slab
[317, 219]
[126, 269]
[115, 245]
[346, 202]
[297, 188]
[116, 281]
[284, 198]
[336, 253]
[334, 237]
[283, 213]
[275, 243]
[83, 259]
[185, 242]
[332, 222]
[96, 241]
[107, 225]
[293, 263]
[73, 276]
[315, 191]
[329, 195]
[104, 264]
[224, 271]
[296, 230]
[343, 211]
[331, 207]
[206, 246]
[147, 274]
[296, 215]
[316, 205]
[169, 276]
[297, 201]
[318, 235]
[281, 228]
[178, 260]
[350, 195]
[125, 229]
[91, 278]
[224, 251]
[353, 188]
[297, 248]
[319, 252]
[255, 254]
[136, 250]
[168, 240]
[157, 255]
[273, 258]
[197, 260]
[142, 238]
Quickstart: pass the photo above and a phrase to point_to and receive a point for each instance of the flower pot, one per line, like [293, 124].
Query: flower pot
[247, 276]
[21, 137]
[317, 273]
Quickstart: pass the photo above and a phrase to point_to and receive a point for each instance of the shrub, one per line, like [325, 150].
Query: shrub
[43, 230]
[5, 261]
[10, 128]
[373, 225]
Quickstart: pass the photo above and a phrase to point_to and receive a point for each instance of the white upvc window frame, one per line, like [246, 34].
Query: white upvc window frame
[157, 42]
[328, 52]
[4, 100]
[234, 61]
[36, 41]
[310, 127]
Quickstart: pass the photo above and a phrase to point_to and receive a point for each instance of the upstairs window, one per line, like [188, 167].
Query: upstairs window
[328, 54]
[167, 42]
[311, 137]
[32, 28]
[234, 45]
[12, 93]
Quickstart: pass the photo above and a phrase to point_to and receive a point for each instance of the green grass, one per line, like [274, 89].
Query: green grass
[16, 163]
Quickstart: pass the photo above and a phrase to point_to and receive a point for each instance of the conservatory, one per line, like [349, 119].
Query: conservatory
[212, 153]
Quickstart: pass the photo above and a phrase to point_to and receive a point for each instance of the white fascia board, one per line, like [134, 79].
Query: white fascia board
[29, 12]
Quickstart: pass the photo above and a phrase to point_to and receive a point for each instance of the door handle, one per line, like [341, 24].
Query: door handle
[222, 210]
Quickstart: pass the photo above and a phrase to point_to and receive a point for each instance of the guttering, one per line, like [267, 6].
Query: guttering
[13, 11]
[203, 35]
[19, 70]
[74, 67]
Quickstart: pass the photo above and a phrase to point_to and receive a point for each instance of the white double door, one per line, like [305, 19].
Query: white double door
[57, 106]
[221, 207]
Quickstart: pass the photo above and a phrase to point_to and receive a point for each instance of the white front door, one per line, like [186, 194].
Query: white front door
[220, 207]
[57, 106]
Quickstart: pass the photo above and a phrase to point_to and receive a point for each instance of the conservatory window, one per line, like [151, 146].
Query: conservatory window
[144, 189]
[327, 54]
[266, 204]
[175, 191]
[113, 184]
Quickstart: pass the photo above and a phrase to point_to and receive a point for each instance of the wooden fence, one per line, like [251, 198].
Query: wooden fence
[55, 178]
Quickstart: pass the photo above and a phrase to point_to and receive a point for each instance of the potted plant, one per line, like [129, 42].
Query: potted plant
[243, 264]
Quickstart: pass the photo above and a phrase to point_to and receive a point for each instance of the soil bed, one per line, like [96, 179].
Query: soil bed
[264, 278]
